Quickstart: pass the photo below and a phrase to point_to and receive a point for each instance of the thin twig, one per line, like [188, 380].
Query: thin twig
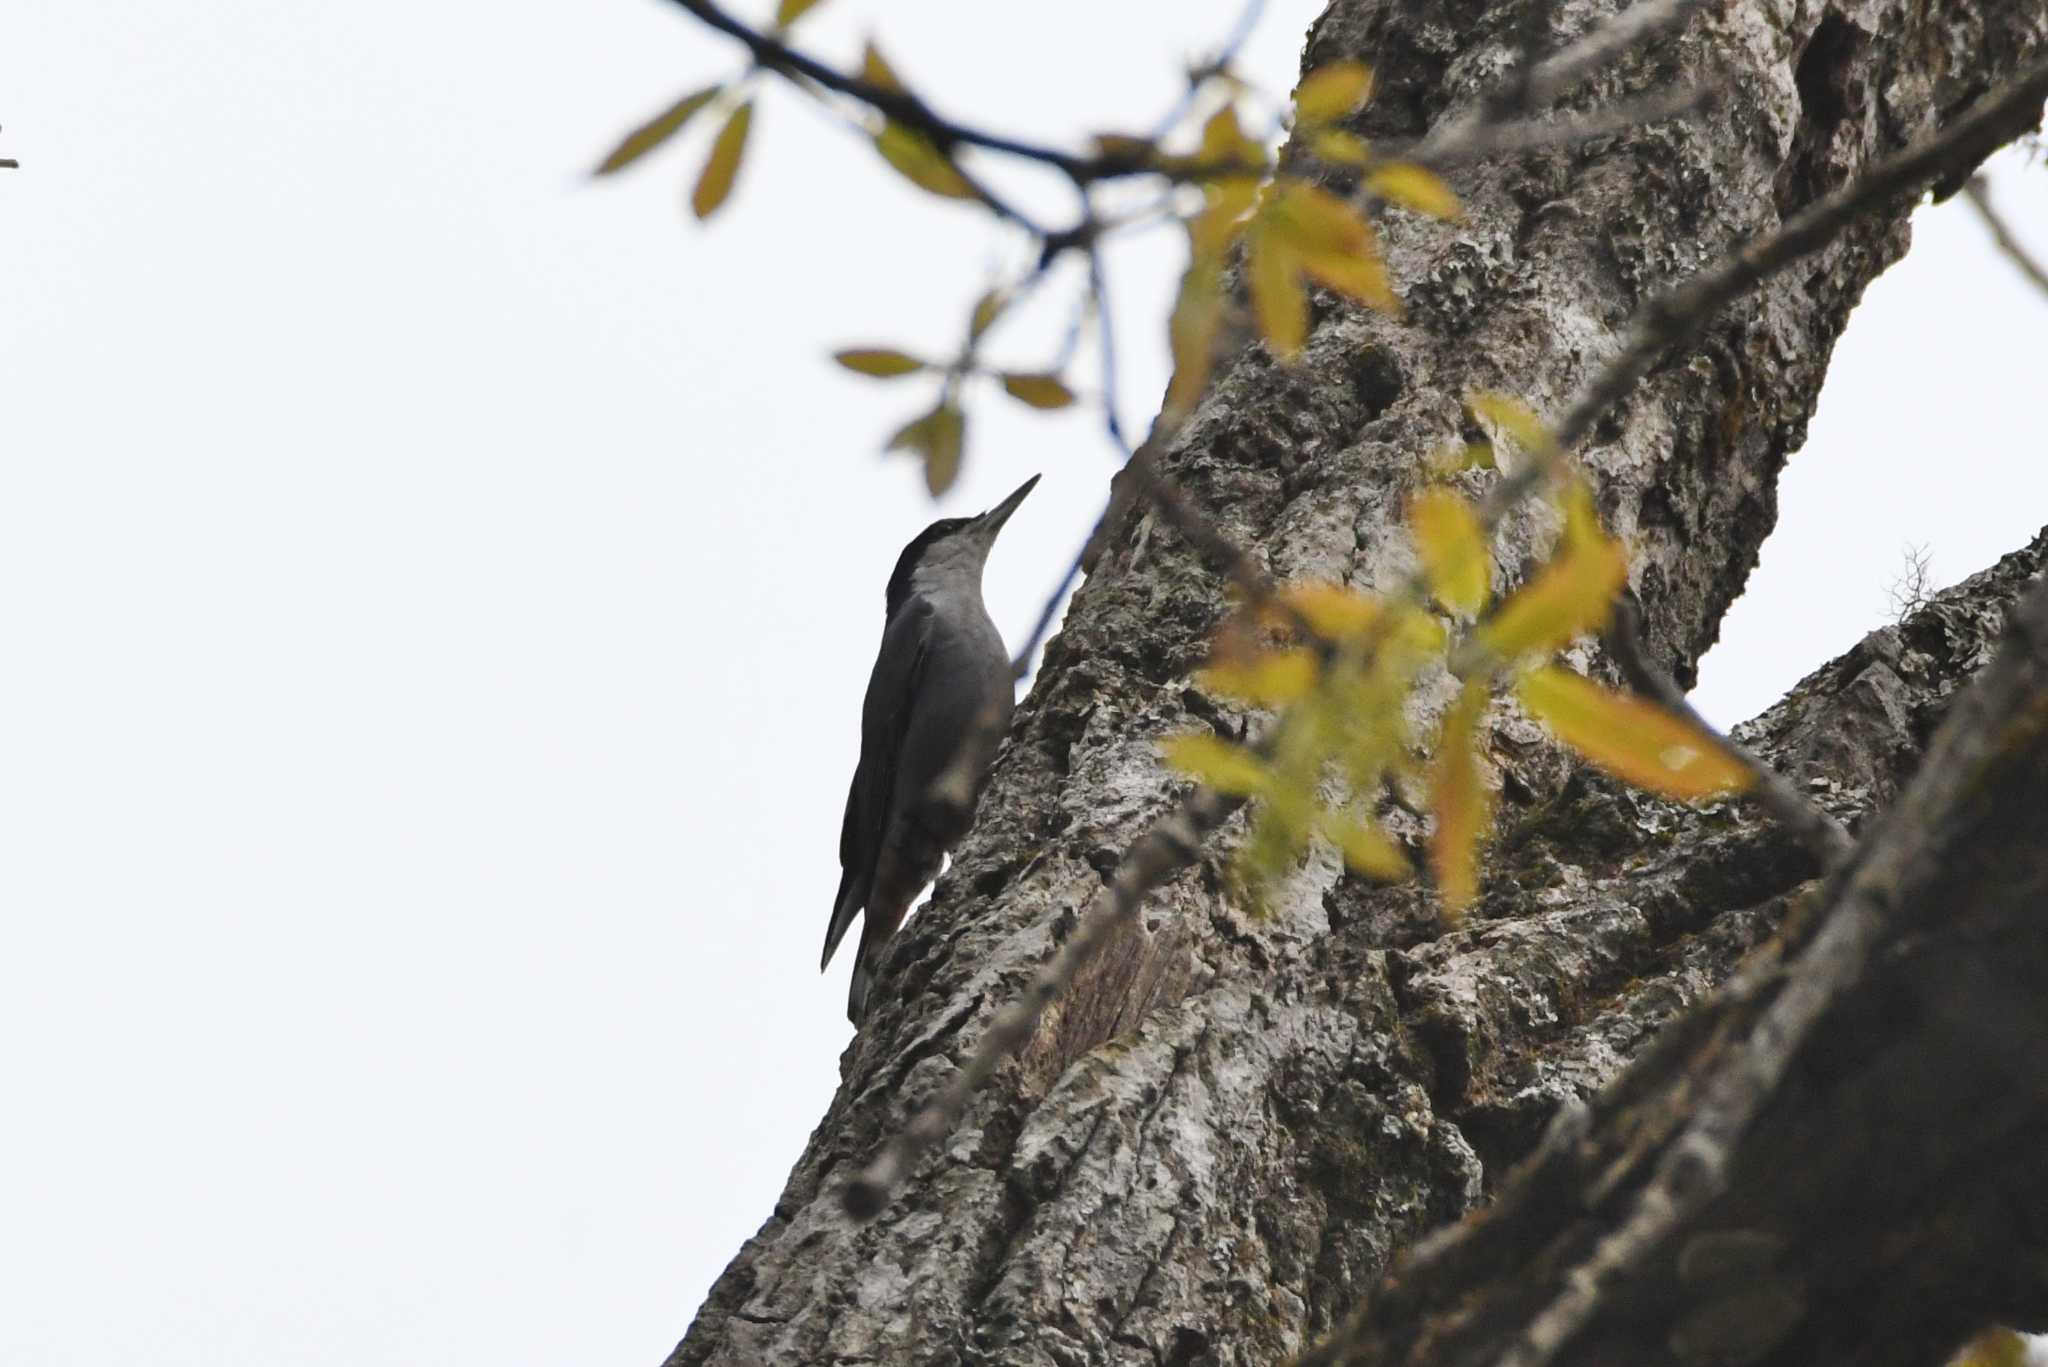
[1979, 191]
[1820, 832]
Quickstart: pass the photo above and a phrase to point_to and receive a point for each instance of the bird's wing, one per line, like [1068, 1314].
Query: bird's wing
[885, 718]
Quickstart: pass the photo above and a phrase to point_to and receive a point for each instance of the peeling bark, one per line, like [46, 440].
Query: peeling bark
[1219, 1143]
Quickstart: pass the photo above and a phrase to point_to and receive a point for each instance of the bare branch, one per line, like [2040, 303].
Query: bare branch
[1979, 191]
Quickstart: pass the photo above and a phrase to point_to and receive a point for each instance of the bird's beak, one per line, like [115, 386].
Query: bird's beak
[995, 517]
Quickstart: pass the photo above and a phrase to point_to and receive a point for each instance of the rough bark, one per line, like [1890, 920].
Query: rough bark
[1217, 1144]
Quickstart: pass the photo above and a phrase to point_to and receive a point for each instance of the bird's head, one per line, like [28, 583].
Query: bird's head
[952, 550]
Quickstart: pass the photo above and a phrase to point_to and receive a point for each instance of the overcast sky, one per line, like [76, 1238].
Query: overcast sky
[437, 594]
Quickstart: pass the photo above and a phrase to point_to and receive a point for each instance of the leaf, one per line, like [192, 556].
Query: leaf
[921, 162]
[1632, 738]
[1362, 276]
[1224, 142]
[1518, 420]
[1330, 92]
[1412, 187]
[987, 309]
[1266, 678]
[1332, 611]
[1228, 201]
[1365, 845]
[877, 72]
[656, 131]
[1459, 798]
[1278, 302]
[1336, 145]
[1222, 765]
[879, 362]
[724, 162]
[938, 437]
[1318, 221]
[1570, 595]
[1452, 545]
[789, 11]
[1197, 318]
[1039, 391]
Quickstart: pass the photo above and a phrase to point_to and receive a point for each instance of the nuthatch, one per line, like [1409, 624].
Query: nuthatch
[941, 688]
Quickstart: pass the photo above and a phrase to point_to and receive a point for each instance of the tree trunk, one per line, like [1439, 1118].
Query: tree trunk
[1217, 1144]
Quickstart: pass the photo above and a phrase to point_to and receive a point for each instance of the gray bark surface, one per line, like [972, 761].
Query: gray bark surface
[1218, 1143]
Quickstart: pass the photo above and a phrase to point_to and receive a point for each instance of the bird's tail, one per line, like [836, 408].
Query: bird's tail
[844, 907]
[857, 991]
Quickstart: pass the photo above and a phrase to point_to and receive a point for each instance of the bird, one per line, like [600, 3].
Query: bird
[941, 685]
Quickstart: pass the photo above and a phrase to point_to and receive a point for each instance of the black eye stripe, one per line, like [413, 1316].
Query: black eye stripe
[899, 582]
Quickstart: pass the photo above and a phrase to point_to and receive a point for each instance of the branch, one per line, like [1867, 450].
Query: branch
[1979, 192]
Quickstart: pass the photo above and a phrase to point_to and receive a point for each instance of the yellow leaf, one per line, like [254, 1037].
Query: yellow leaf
[1210, 759]
[1278, 301]
[1632, 738]
[879, 362]
[1336, 145]
[1998, 1347]
[938, 437]
[921, 163]
[1332, 611]
[1571, 594]
[1460, 801]
[723, 164]
[877, 72]
[1366, 846]
[1330, 92]
[1039, 391]
[1412, 187]
[1317, 221]
[1217, 226]
[1267, 678]
[655, 131]
[1460, 455]
[789, 11]
[1517, 419]
[1453, 549]
[1224, 142]
[1197, 318]
[1362, 276]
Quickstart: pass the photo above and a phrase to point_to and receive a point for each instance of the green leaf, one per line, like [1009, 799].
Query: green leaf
[1452, 545]
[1330, 92]
[921, 162]
[656, 131]
[1039, 391]
[1412, 187]
[724, 163]
[1462, 805]
[789, 11]
[1222, 765]
[1633, 739]
[879, 362]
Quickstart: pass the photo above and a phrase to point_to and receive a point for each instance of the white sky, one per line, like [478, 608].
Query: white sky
[438, 593]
